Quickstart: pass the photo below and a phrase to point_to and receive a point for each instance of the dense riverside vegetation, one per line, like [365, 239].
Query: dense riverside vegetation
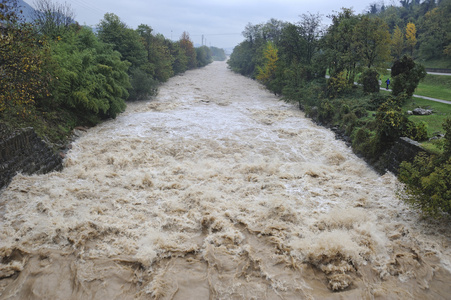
[292, 60]
[57, 75]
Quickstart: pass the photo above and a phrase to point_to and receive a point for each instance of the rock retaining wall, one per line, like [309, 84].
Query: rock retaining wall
[404, 149]
[23, 151]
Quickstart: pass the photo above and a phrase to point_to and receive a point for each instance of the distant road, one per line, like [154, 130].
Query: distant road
[435, 73]
[423, 97]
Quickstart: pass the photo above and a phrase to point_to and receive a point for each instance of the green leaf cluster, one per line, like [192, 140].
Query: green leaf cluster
[91, 77]
[427, 184]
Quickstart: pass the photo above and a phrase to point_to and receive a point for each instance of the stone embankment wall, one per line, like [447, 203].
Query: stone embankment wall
[23, 151]
[404, 149]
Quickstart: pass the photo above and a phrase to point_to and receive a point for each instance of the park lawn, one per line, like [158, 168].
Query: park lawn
[435, 86]
[441, 111]
[434, 122]
[433, 91]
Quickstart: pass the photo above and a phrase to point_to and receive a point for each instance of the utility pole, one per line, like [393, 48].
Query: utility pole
[202, 39]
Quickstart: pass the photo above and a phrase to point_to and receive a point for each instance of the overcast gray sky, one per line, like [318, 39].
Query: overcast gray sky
[221, 22]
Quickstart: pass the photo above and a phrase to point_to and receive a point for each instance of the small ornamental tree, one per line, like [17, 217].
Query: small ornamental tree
[406, 75]
[370, 81]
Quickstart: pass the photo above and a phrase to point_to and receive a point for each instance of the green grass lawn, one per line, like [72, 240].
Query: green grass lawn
[434, 122]
[441, 111]
[437, 63]
[435, 86]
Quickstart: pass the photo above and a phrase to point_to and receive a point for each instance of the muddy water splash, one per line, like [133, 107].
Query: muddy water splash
[215, 190]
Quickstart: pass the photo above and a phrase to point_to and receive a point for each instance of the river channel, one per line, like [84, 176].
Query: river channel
[216, 189]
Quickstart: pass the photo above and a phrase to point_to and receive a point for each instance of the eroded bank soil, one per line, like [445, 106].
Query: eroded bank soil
[215, 190]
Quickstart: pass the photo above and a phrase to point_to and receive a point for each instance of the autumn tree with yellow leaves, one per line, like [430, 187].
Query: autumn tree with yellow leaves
[411, 36]
[23, 63]
[267, 71]
[397, 43]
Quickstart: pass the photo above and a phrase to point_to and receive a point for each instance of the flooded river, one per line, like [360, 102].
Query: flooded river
[216, 189]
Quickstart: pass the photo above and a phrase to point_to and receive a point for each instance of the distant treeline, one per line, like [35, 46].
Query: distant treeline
[58, 73]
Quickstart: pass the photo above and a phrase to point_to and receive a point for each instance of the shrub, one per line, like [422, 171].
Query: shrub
[406, 76]
[325, 111]
[427, 184]
[370, 81]
[390, 120]
[417, 131]
[427, 180]
[143, 85]
[338, 85]
[376, 100]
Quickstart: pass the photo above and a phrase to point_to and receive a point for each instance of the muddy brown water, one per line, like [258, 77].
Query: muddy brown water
[216, 189]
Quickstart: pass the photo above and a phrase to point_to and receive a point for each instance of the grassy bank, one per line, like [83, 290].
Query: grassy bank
[435, 86]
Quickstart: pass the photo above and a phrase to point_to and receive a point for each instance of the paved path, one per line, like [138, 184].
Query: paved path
[424, 97]
[418, 96]
[435, 73]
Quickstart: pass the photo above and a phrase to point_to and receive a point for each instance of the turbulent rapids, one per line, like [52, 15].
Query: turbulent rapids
[215, 190]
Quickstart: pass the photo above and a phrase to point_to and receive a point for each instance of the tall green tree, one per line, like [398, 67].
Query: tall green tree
[203, 56]
[372, 41]
[342, 54]
[159, 58]
[131, 46]
[310, 30]
[435, 34]
[126, 41]
[92, 78]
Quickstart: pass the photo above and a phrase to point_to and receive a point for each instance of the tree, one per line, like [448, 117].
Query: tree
[218, 54]
[372, 41]
[187, 45]
[406, 75]
[23, 60]
[267, 72]
[242, 58]
[131, 46]
[52, 18]
[180, 62]
[310, 30]
[203, 56]
[126, 41]
[340, 48]
[370, 81]
[397, 43]
[159, 58]
[411, 36]
[92, 79]
[435, 32]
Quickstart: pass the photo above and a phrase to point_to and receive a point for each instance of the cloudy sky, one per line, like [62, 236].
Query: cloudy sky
[221, 22]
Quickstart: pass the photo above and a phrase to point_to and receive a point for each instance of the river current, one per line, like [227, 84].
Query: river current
[215, 189]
